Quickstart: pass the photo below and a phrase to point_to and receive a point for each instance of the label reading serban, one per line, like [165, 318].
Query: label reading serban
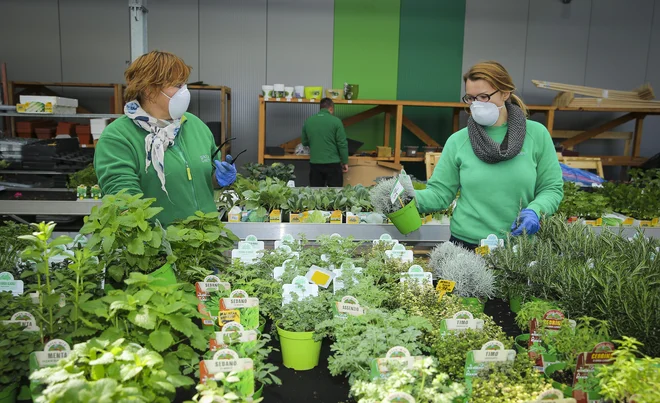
[400, 252]
[417, 273]
[210, 284]
[8, 284]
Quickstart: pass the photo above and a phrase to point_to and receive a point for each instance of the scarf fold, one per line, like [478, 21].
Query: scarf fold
[487, 150]
[161, 135]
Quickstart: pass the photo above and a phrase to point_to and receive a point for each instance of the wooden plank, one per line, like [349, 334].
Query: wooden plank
[262, 132]
[550, 121]
[646, 111]
[419, 133]
[398, 129]
[567, 134]
[223, 119]
[584, 163]
[391, 165]
[619, 160]
[388, 129]
[456, 119]
[306, 157]
[51, 84]
[118, 104]
[228, 92]
[639, 128]
[584, 136]
[369, 113]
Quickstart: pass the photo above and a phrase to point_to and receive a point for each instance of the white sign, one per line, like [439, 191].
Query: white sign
[400, 252]
[301, 287]
[417, 273]
[397, 191]
[252, 241]
[8, 284]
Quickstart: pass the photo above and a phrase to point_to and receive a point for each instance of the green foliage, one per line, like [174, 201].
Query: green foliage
[103, 371]
[121, 231]
[509, 382]
[10, 304]
[472, 275]
[302, 315]
[632, 200]
[380, 197]
[359, 199]
[11, 246]
[532, 310]
[15, 348]
[258, 351]
[86, 176]
[222, 387]
[276, 170]
[337, 249]
[199, 243]
[569, 343]
[270, 194]
[422, 381]
[630, 375]
[579, 203]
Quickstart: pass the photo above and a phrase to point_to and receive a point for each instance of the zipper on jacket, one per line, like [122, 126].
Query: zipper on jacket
[182, 155]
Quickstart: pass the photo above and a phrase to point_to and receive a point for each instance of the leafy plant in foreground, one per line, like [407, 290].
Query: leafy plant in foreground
[532, 310]
[15, 348]
[11, 246]
[222, 387]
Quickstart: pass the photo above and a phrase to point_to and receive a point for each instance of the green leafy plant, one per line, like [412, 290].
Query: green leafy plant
[632, 200]
[86, 177]
[100, 370]
[258, 351]
[121, 231]
[570, 342]
[422, 381]
[11, 246]
[269, 195]
[296, 203]
[15, 348]
[199, 243]
[302, 315]
[583, 204]
[532, 310]
[275, 171]
[222, 387]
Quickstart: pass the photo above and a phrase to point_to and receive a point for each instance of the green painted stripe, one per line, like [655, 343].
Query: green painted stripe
[430, 62]
[366, 52]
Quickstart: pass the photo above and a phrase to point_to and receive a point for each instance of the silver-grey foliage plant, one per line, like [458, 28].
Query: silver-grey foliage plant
[380, 197]
[470, 271]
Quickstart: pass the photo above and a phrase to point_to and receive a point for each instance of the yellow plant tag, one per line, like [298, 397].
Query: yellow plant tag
[294, 218]
[276, 216]
[482, 250]
[445, 285]
[336, 217]
[320, 276]
[232, 315]
[352, 219]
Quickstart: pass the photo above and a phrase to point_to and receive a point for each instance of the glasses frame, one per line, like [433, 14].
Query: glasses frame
[479, 95]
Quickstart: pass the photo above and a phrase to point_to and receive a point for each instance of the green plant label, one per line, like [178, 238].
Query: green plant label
[211, 284]
[492, 241]
[252, 241]
[320, 276]
[385, 239]
[227, 360]
[54, 351]
[396, 192]
[492, 351]
[400, 252]
[348, 305]
[417, 273]
[287, 239]
[554, 396]
[245, 253]
[301, 287]
[232, 333]
[25, 319]
[399, 354]
[461, 320]
[337, 283]
[8, 284]
[247, 307]
[399, 397]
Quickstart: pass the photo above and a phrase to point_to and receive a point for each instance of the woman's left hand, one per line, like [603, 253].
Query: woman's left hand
[527, 222]
[225, 172]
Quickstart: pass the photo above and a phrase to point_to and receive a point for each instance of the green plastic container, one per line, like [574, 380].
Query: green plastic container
[551, 369]
[164, 276]
[474, 303]
[8, 394]
[299, 350]
[352, 91]
[515, 303]
[522, 341]
[407, 219]
[258, 393]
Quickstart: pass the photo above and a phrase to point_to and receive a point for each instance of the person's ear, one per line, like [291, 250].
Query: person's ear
[506, 96]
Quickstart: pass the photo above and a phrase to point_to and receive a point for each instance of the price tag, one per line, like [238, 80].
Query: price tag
[445, 286]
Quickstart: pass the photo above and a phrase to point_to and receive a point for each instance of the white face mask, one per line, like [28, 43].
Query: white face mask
[485, 113]
[179, 102]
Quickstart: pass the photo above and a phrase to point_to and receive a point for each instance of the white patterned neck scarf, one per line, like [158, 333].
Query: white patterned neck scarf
[161, 135]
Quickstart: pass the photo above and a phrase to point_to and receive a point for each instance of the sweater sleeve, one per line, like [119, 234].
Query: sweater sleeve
[116, 165]
[443, 185]
[549, 183]
[305, 138]
[342, 143]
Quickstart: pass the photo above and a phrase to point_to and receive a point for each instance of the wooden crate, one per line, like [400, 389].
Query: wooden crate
[431, 160]
[584, 163]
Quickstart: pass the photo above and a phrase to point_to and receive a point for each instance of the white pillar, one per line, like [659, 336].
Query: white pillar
[138, 17]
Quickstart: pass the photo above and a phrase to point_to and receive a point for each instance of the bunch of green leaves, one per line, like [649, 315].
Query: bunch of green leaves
[422, 300]
[199, 243]
[157, 317]
[302, 315]
[568, 342]
[631, 200]
[532, 310]
[100, 370]
[258, 351]
[270, 194]
[359, 339]
[10, 304]
[631, 375]
[514, 381]
[359, 198]
[362, 287]
[86, 177]
[11, 246]
[275, 171]
[222, 387]
[121, 231]
[451, 349]
[337, 249]
[645, 178]
[583, 204]
[15, 348]
[297, 202]
[422, 381]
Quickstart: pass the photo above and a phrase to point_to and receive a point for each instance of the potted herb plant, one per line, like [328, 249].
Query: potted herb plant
[15, 348]
[269, 195]
[403, 211]
[530, 310]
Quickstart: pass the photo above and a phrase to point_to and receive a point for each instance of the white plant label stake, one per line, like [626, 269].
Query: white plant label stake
[8, 284]
[301, 287]
[253, 241]
[417, 273]
[399, 252]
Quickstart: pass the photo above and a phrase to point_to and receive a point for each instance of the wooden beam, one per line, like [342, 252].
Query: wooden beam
[398, 128]
[550, 122]
[369, 113]
[567, 134]
[639, 128]
[388, 129]
[584, 136]
[620, 160]
[262, 131]
[456, 119]
[417, 131]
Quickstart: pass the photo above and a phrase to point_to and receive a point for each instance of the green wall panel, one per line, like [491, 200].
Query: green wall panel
[366, 52]
[430, 62]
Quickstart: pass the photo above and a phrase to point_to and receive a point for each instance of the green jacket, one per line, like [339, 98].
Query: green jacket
[119, 161]
[326, 138]
[493, 194]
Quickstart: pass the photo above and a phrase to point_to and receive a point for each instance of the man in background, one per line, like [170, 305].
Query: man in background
[324, 134]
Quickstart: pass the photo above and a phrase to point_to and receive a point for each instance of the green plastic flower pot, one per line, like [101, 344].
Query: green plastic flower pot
[474, 303]
[8, 394]
[522, 341]
[515, 303]
[551, 369]
[262, 324]
[258, 393]
[164, 276]
[407, 219]
[299, 350]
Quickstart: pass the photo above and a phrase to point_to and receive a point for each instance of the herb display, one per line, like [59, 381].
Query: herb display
[532, 310]
[15, 348]
[11, 246]
[86, 177]
[568, 342]
[275, 171]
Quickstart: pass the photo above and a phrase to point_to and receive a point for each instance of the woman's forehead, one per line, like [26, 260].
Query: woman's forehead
[477, 87]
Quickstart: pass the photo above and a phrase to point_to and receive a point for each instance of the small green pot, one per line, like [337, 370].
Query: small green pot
[515, 303]
[262, 324]
[9, 393]
[407, 219]
[551, 369]
[299, 350]
[164, 276]
[258, 393]
[474, 303]
[520, 340]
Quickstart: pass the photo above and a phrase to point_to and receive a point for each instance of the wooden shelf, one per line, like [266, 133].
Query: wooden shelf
[61, 115]
[646, 111]
[306, 157]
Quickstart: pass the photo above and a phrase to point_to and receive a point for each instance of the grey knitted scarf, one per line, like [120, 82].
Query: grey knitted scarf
[488, 150]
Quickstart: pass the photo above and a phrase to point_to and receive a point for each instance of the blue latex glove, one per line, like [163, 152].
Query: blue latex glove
[225, 172]
[527, 221]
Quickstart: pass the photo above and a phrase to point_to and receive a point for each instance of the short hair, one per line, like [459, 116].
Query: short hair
[152, 72]
[327, 103]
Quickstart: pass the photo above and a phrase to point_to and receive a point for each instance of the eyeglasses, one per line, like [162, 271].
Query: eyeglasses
[468, 99]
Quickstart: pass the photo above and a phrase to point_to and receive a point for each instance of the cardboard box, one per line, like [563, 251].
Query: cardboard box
[364, 171]
[98, 125]
[59, 101]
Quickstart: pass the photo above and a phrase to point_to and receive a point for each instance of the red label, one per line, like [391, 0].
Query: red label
[553, 319]
[201, 295]
[586, 365]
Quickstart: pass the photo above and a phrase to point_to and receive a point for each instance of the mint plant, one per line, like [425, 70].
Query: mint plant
[15, 348]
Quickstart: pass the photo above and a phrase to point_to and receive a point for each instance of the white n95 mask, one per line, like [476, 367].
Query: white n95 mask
[179, 102]
[485, 113]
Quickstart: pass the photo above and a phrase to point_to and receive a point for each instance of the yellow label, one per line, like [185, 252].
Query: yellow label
[294, 218]
[352, 219]
[319, 278]
[48, 108]
[654, 222]
[628, 221]
[482, 250]
[235, 217]
[276, 216]
[336, 217]
[646, 223]
[304, 216]
[427, 219]
[445, 286]
[441, 294]
[21, 108]
[232, 315]
[189, 174]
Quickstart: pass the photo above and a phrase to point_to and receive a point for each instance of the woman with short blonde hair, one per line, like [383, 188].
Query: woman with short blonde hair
[158, 149]
[505, 165]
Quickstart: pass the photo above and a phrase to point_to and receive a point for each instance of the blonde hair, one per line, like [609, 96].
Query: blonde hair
[152, 72]
[496, 75]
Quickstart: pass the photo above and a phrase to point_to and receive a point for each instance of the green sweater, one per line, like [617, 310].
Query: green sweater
[493, 194]
[326, 138]
[119, 161]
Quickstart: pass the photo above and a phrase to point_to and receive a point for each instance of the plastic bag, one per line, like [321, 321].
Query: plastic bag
[302, 150]
[580, 177]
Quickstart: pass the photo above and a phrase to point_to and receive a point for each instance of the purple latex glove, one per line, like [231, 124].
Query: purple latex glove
[225, 172]
[527, 221]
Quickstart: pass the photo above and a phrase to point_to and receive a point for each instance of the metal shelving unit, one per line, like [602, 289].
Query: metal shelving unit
[61, 115]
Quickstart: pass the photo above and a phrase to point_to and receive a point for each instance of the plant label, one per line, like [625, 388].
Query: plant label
[400, 252]
[275, 216]
[417, 273]
[252, 241]
[245, 253]
[397, 191]
[602, 354]
[400, 354]
[229, 316]
[300, 287]
[347, 306]
[552, 322]
[338, 284]
[320, 276]
[445, 286]
[352, 218]
[287, 239]
[8, 284]
[25, 319]
[398, 397]
[226, 360]
[336, 217]
[492, 241]
[286, 249]
[211, 284]
[247, 307]
[208, 319]
[461, 320]
[232, 333]
[552, 396]
[492, 351]
[386, 239]
[54, 351]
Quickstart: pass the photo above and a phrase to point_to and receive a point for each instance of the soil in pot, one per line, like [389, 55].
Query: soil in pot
[564, 376]
[522, 341]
